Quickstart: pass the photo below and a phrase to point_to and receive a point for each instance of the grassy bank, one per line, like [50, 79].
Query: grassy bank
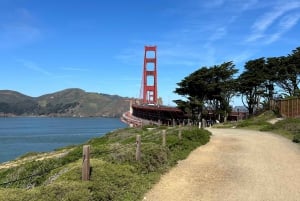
[289, 127]
[116, 175]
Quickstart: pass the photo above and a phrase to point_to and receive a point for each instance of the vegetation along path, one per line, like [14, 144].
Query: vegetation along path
[235, 165]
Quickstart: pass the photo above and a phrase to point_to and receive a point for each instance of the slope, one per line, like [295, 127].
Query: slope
[68, 102]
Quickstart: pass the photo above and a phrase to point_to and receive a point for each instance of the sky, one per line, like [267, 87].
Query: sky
[98, 46]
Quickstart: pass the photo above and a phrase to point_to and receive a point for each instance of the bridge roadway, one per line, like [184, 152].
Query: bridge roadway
[154, 114]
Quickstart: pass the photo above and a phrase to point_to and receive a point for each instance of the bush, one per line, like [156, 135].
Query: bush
[296, 138]
[269, 127]
[116, 175]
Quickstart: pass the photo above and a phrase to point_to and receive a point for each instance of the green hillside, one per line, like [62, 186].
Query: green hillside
[12, 102]
[69, 102]
[115, 173]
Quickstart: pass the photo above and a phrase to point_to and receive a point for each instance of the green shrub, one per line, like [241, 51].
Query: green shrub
[29, 154]
[116, 175]
[296, 138]
[268, 127]
[154, 158]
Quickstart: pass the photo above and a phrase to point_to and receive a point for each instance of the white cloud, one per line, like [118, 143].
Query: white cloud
[269, 18]
[218, 34]
[18, 31]
[213, 3]
[289, 21]
[255, 37]
[131, 55]
[285, 24]
[272, 38]
[242, 56]
[249, 4]
[74, 69]
[34, 67]
[25, 15]
[272, 19]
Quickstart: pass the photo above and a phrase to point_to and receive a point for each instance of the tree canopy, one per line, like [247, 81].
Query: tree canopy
[262, 80]
[208, 86]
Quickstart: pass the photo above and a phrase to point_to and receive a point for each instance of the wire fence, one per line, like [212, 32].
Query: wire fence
[147, 137]
[30, 176]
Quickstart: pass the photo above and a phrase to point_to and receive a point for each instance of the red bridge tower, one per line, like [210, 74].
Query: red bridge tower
[150, 76]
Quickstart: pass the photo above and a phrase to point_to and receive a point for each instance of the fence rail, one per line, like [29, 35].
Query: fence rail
[289, 107]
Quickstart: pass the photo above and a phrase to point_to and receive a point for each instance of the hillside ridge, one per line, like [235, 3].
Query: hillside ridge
[72, 102]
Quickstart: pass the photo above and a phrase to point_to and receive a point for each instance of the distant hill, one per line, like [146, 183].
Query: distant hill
[69, 102]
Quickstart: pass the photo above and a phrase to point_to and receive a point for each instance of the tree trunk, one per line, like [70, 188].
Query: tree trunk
[250, 109]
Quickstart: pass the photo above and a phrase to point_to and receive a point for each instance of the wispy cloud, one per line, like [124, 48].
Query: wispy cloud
[130, 55]
[213, 3]
[113, 80]
[249, 4]
[199, 38]
[285, 24]
[218, 34]
[168, 54]
[269, 18]
[188, 45]
[242, 56]
[13, 35]
[34, 67]
[276, 18]
[75, 69]
[289, 21]
[19, 30]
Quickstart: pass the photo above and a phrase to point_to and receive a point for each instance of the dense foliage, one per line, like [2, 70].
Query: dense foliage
[263, 79]
[116, 175]
[207, 87]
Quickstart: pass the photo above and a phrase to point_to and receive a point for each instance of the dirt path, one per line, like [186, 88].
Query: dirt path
[236, 165]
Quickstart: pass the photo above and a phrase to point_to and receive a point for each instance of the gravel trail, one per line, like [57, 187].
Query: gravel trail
[236, 165]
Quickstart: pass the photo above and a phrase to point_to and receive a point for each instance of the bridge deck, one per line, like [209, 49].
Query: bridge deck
[163, 114]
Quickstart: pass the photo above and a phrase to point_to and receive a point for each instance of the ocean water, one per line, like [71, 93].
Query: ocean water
[20, 135]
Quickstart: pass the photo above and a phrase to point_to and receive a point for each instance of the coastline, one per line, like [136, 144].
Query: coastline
[116, 173]
[56, 116]
[22, 135]
[34, 157]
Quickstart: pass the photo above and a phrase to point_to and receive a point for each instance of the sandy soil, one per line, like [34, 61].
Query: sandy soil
[238, 165]
[273, 121]
[38, 157]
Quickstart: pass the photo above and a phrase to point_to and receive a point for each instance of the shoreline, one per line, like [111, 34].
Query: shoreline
[37, 157]
[49, 134]
[115, 175]
[59, 116]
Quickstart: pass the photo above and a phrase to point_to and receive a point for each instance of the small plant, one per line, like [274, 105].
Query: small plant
[296, 138]
[29, 154]
[115, 175]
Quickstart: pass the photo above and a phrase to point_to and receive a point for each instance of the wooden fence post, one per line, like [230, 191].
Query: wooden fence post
[203, 124]
[86, 163]
[138, 148]
[164, 138]
[179, 134]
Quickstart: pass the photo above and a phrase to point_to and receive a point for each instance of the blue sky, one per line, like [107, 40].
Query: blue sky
[98, 46]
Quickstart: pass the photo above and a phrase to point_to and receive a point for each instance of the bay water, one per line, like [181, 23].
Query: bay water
[20, 135]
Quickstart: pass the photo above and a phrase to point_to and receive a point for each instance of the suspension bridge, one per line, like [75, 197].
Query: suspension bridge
[148, 109]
